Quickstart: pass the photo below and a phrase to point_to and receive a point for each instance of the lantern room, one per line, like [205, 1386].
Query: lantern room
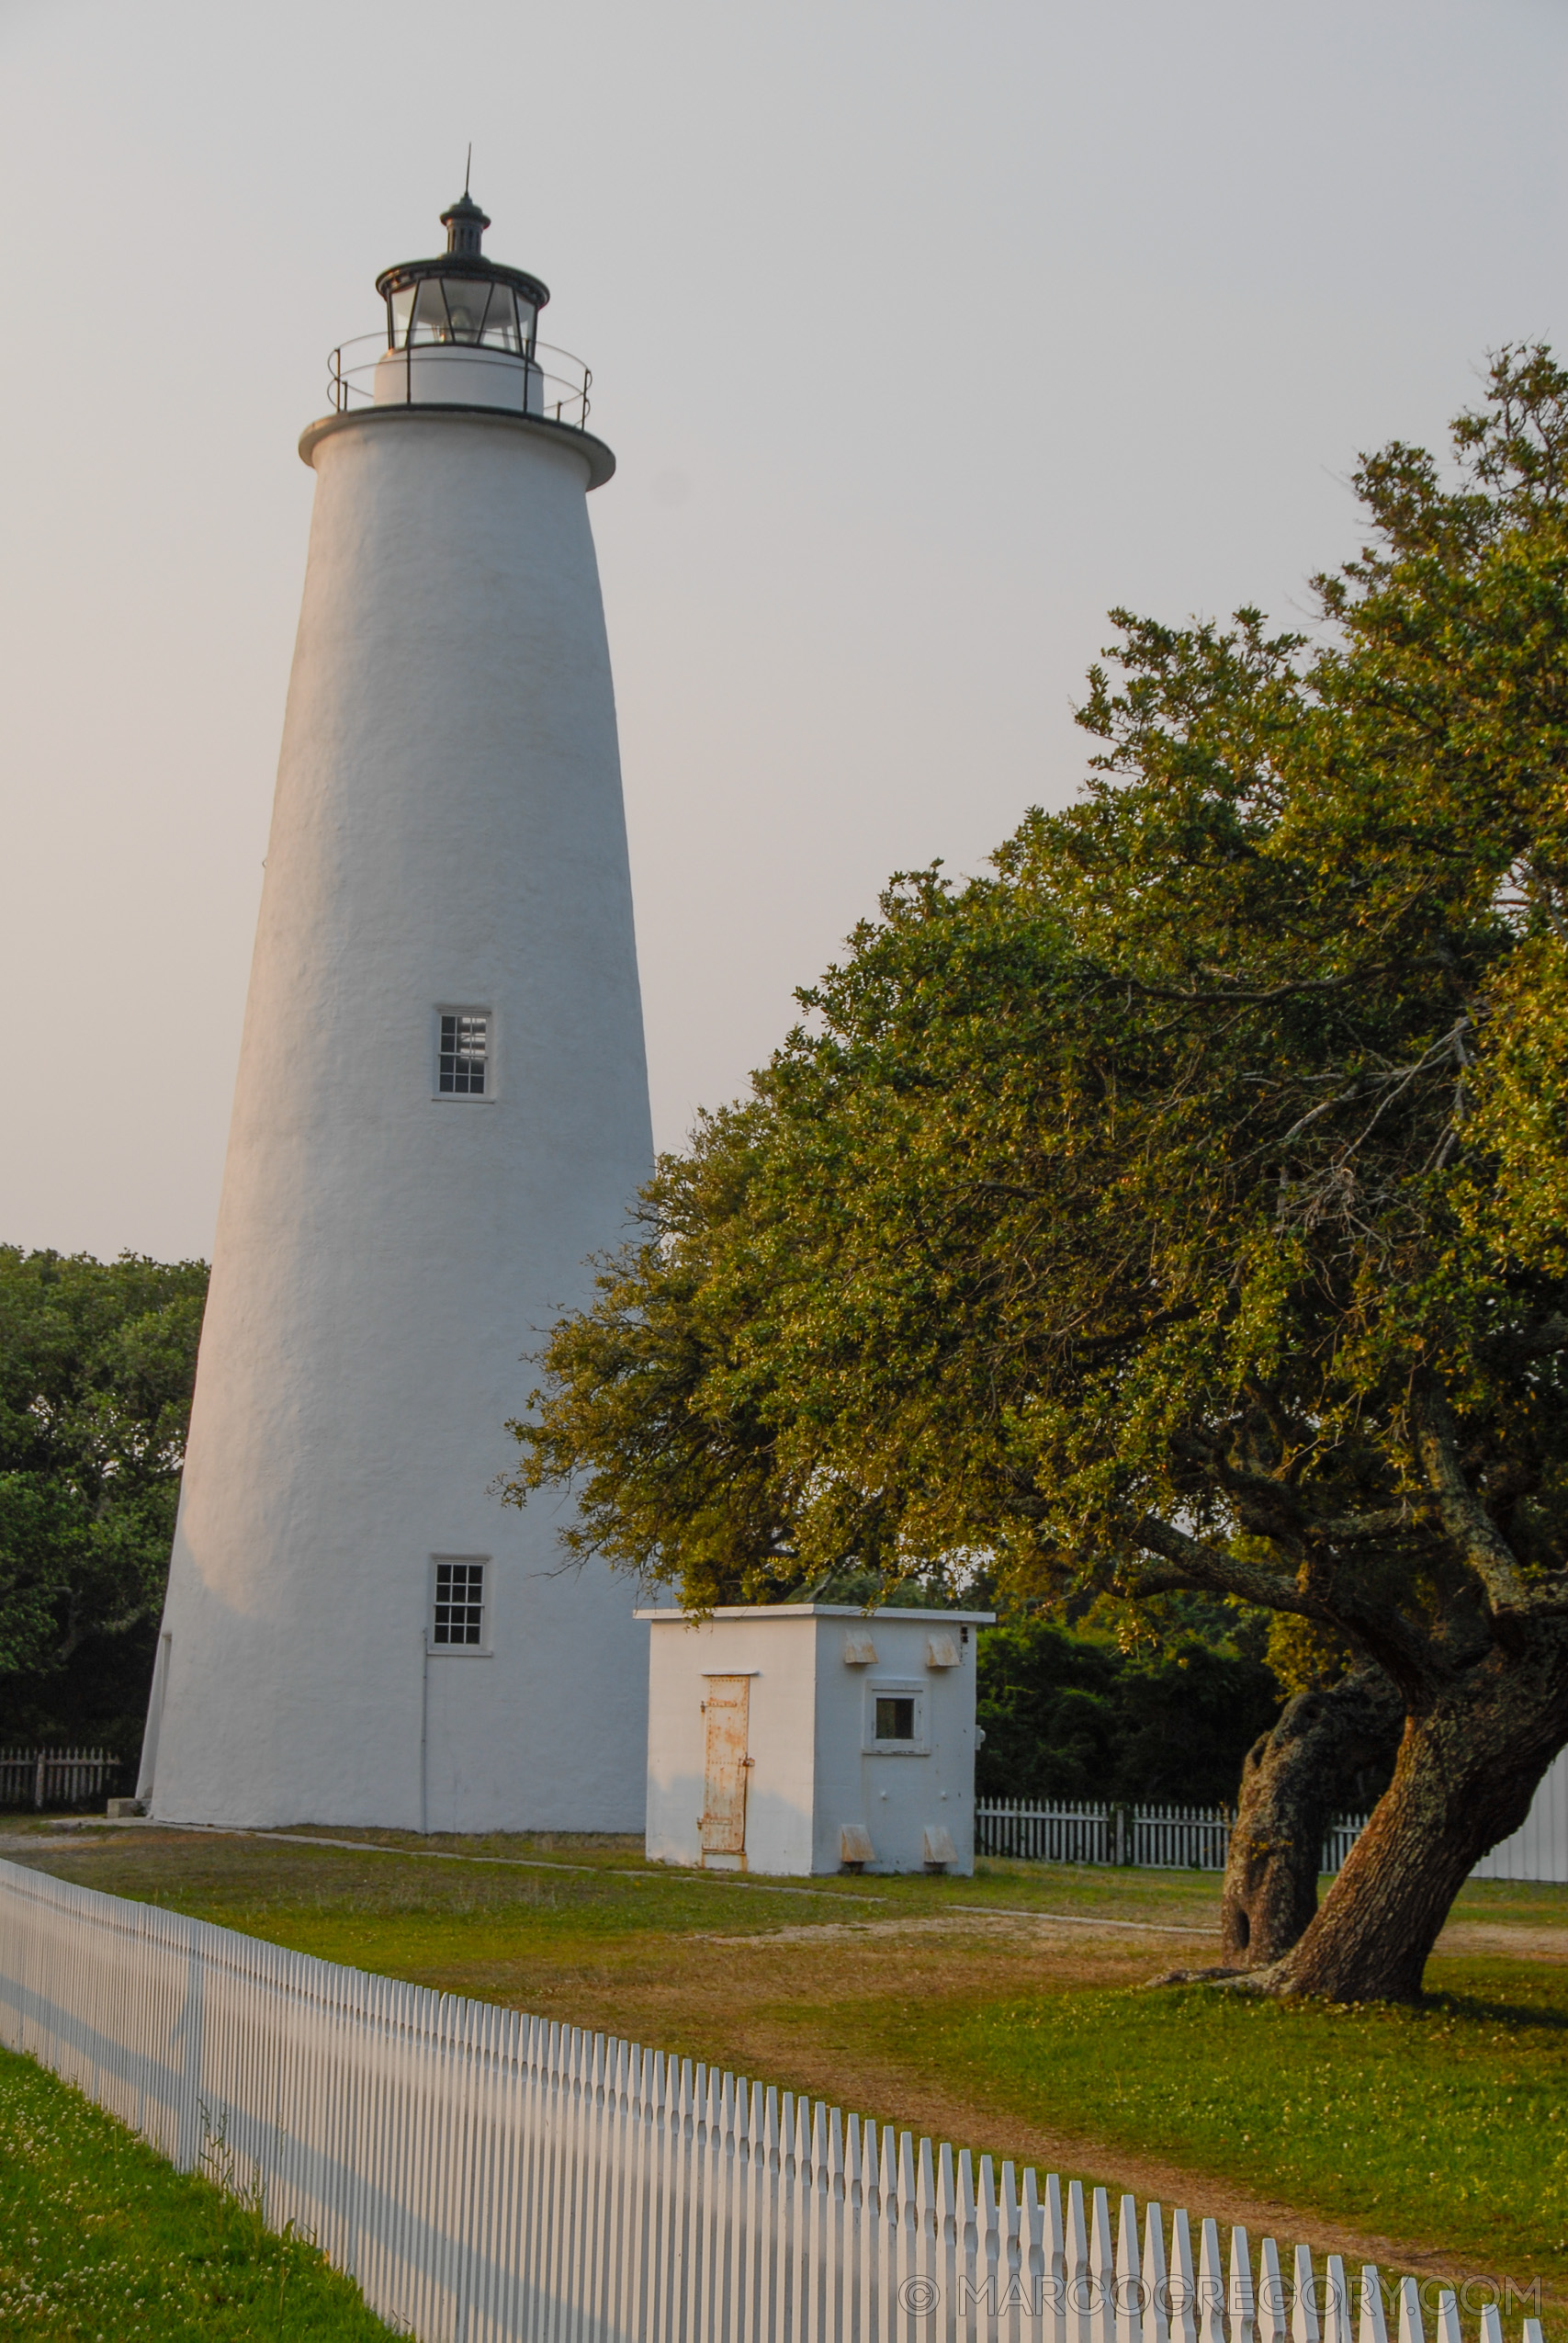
[462, 331]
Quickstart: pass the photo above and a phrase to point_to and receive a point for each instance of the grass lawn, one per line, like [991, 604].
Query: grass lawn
[1008, 2013]
[100, 2239]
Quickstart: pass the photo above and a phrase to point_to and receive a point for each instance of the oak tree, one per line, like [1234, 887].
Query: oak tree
[1184, 1206]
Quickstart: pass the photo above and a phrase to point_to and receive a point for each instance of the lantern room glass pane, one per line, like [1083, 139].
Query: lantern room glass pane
[467, 300]
[401, 307]
[430, 313]
[528, 323]
[500, 322]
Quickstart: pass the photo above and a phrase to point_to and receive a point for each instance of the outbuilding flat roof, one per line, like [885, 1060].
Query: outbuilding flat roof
[824, 1610]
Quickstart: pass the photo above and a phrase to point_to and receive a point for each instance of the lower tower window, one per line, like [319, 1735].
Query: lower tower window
[462, 1062]
[457, 1611]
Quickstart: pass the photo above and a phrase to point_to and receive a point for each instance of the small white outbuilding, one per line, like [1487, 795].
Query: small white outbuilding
[809, 1737]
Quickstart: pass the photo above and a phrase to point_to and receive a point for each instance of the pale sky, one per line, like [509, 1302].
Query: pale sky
[922, 333]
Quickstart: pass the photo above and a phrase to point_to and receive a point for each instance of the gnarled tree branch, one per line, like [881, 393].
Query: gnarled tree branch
[1471, 1528]
[1210, 1569]
[1410, 1657]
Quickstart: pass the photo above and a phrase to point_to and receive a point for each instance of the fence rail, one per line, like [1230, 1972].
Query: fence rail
[39, 1778]
[1153, 1837]
[485, 2174]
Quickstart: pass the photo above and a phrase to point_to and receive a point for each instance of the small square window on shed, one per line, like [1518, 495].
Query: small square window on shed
[896, 1718]
[457, 1612]
[462, 1063]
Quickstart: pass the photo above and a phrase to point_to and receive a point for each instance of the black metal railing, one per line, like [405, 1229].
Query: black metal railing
[550, 384]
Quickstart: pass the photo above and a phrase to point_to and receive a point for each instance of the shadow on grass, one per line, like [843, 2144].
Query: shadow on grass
[1477, 2012]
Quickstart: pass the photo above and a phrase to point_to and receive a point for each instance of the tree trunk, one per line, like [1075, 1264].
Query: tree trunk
[1468, 1761]
[1294, 1781]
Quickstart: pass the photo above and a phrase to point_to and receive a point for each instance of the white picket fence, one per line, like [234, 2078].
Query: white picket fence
[54, 1777]
[485, 2174]
[1155, 1838]
[1198, 1837]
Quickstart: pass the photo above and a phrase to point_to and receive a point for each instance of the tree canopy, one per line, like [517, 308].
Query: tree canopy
[1184, 1205]
[96, 1365]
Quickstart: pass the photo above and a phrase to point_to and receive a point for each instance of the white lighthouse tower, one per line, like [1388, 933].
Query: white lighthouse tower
[441, 1111]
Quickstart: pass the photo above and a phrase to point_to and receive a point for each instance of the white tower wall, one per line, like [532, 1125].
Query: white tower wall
[447, 833]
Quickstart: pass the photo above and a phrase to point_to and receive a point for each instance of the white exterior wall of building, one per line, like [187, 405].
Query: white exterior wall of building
[448, 833]
[809, 1722]
[1538, 1849]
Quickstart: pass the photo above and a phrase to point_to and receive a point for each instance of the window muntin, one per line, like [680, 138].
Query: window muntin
[457, 1611]
[463, 1053]
[467, 298]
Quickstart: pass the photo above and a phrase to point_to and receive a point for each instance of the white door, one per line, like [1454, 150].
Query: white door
[725, 1767]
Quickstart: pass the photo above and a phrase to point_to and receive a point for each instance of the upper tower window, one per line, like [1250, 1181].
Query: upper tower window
[462, 1063]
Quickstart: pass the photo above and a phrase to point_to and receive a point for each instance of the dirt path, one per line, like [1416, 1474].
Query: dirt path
[1505, 1941]
[1034, 1925]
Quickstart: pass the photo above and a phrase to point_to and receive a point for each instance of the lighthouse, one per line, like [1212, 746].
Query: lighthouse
[441, 1112]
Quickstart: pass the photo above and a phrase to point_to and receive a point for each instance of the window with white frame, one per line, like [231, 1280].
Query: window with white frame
[457, 1607]
[463, 1053]
[896, 1718]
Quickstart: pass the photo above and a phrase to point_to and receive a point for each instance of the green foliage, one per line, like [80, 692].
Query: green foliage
[1304, 1655]
[96, 1365]
[1069, 1716]
[100, 2237]
[1184, 1205]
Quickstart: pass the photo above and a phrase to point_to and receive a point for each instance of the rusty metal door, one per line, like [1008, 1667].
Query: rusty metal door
[725, 1768]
